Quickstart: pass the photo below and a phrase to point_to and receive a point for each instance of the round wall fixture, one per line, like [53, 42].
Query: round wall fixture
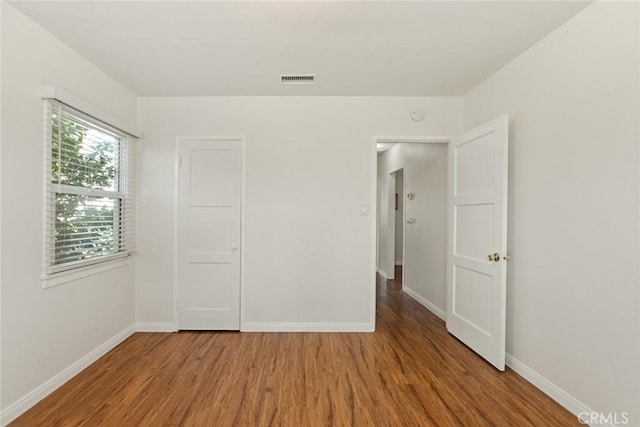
[417, 115]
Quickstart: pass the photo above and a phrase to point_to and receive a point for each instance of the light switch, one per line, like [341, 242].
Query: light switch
[364, 210]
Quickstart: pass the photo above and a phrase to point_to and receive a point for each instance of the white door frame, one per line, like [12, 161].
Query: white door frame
[391, 226]
[374, 201]
[176, 172]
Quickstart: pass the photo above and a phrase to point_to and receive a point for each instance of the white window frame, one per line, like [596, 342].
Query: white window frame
[61, 273]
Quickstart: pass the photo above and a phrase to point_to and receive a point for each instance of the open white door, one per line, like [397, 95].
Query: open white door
[209, 218]
[477, 239]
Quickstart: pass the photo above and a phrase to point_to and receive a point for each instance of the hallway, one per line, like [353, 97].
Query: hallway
[409, 372]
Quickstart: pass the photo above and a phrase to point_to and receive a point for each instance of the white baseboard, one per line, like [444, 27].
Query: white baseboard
[572, 404]
[17, 408]
[382, 273]
[155, 327]
[425, 302]
[307, 327]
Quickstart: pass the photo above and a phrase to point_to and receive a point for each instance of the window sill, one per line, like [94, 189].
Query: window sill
[56, 279]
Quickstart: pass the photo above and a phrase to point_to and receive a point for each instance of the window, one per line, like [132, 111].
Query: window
[89, 188]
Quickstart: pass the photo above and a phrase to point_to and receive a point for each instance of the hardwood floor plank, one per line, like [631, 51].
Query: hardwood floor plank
[410, 372]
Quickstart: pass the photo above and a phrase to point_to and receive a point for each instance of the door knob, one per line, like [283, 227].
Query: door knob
[234, 248]
[494, 257]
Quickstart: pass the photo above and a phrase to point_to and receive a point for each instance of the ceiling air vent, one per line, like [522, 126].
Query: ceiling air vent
[298, 79]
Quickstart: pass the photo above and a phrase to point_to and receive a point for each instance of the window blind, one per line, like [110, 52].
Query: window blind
[89, 190]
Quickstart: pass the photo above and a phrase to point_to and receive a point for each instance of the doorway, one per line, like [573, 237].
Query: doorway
[412, 186]
[470, 295]
[395, 220]
[392, 216]
[399, 221]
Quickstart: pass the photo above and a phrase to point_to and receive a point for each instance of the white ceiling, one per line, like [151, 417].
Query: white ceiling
[386, 48]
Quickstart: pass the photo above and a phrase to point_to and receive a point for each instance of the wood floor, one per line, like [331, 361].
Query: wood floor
[410, 372]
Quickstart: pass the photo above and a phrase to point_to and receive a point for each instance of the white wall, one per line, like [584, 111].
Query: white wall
[44, 331]
[573, 281]
[308, 260]
[425, 175]
[399, 216]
